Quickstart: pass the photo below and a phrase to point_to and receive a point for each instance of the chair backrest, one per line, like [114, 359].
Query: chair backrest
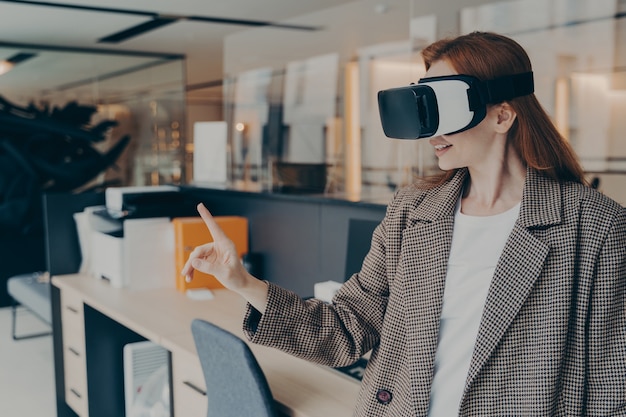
[235, 383]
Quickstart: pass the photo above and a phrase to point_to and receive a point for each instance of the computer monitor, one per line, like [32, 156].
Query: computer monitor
[359, 242]
[63, 254]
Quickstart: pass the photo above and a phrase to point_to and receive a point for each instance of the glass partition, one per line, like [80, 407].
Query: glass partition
[300, 99]
[301, 104]
[142, 93]
[299, 108]
[578, 50]
[392, 163]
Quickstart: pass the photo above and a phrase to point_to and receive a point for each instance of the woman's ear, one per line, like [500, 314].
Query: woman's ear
[506, 117]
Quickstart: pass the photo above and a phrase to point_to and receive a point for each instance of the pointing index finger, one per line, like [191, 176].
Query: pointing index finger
[216, 231]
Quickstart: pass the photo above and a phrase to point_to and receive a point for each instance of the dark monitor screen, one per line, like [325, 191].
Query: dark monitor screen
[63, 254]
[359, 241]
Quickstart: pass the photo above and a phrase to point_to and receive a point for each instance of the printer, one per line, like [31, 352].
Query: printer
[132, 238]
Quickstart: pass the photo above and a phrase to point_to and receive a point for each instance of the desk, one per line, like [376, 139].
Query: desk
[113, 317]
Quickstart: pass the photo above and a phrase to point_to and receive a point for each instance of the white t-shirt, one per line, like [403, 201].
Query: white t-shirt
[477, 243]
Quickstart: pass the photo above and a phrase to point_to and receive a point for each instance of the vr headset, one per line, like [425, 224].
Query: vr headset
[445, 105]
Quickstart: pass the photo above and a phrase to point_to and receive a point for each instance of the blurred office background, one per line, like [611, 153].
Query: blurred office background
[296, 82]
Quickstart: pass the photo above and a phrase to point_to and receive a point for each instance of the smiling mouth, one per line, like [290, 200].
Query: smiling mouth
[440, 147]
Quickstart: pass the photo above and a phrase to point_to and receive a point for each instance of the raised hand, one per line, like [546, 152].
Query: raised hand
[220, 259]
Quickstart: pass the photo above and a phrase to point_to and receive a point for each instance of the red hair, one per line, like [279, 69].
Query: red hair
[534, 137]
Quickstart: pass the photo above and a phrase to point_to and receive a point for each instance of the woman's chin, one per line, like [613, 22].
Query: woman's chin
[446, 166]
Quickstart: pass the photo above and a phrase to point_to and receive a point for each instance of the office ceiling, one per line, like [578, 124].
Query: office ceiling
[195, 28]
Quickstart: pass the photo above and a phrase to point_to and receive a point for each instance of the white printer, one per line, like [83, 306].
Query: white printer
[139, 253]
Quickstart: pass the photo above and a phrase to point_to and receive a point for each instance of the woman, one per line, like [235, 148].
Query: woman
[495, 289]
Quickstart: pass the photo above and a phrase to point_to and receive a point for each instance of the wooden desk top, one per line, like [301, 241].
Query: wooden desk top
[164, 316]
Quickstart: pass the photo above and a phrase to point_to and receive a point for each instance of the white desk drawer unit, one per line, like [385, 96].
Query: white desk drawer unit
[74, 363]
[190, 398]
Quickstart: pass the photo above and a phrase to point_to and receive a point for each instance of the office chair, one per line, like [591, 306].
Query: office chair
[236, 385]
[31, 291]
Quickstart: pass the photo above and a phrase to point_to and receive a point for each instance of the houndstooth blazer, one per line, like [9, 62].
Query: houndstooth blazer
[552, 339]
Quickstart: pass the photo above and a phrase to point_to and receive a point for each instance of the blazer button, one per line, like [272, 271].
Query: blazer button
[383, 396]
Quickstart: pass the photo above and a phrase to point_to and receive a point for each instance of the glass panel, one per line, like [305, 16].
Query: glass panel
[250, 117]
[578, 50]
[391, 163]
[301, 102]
[312, 91]
[142, 93]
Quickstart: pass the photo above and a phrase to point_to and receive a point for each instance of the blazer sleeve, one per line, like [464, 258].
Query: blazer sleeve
[606, 367]
[335, 334]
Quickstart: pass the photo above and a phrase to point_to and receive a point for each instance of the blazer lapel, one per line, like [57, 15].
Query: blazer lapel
[519, 267]
[423, 263]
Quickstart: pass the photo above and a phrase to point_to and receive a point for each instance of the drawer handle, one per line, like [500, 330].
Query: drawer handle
[74, 351]
[195, 388]
[76, 393]
[72, 309]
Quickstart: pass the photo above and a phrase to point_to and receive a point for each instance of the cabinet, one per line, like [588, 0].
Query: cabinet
[74, 363]
[188, 387]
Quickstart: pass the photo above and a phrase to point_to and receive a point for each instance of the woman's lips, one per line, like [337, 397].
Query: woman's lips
[441, 148]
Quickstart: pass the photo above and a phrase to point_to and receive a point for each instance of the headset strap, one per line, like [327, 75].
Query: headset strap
[507, 87]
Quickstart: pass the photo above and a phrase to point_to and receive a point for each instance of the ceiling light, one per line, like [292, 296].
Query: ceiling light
[6, 66]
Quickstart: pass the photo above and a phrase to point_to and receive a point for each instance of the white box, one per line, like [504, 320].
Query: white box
[326, 290]
[143, 362]
[142, 259]
[210, 152]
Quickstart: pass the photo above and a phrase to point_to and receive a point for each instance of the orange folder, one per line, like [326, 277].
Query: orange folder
[190, 232]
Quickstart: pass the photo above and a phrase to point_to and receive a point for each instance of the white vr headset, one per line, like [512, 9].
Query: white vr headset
[445, 105]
